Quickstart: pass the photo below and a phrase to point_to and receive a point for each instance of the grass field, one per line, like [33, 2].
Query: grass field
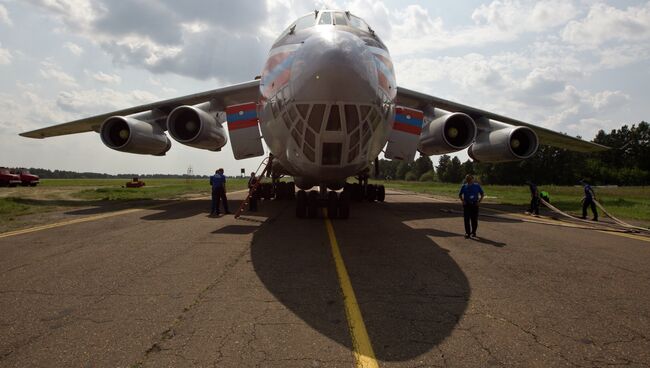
[56, 194]
[624, 202]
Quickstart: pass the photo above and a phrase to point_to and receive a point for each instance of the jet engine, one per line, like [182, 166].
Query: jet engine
[127, 134]
[506, 144]
[447, 132]
[195, 127]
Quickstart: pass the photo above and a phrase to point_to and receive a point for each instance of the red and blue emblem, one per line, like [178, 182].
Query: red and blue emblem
[277, 70]
[408, 120]
[241, 116]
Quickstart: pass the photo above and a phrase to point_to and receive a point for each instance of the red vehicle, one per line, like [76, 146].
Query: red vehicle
[27, 178]
[135, 183]
[8, 179]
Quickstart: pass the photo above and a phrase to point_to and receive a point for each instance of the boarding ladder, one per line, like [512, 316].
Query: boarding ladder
[266, 164]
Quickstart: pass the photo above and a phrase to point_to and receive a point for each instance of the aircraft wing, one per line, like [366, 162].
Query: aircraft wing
[231, 95]
[417, 100]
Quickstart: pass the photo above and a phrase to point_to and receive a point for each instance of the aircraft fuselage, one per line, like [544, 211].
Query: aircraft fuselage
[327, 102]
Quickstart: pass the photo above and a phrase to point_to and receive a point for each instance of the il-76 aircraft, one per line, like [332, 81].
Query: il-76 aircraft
[326, 104]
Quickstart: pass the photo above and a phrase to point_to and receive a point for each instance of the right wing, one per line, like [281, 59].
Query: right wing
[548, 137]
[231, 95]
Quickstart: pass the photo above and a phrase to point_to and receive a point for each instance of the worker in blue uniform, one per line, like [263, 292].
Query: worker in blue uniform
[588, 201]
[218, 184]
[471, 194]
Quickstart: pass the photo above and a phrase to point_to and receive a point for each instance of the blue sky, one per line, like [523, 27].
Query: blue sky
[572, 66]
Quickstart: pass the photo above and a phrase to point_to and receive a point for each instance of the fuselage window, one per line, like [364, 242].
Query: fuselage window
[316, 117]
[340, 19]
[356, 22]
[305, 22]
[351, 117]
[332, 153]
[334, 120]
[325, 18]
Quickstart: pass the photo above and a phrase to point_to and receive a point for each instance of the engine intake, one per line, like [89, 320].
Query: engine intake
[194, 127]
[449, 132]
[506, 144]
[127, 134]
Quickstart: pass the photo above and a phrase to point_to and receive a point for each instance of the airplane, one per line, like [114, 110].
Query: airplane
[326, 104]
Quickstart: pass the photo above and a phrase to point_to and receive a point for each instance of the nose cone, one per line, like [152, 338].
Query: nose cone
[335, 65]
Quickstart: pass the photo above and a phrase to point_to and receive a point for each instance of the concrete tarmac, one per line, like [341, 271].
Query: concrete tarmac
[172, 287]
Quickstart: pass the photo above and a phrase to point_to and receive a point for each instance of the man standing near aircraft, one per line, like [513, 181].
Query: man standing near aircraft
[534, 198]
[471, 194]
[218, 183]
[589, 200]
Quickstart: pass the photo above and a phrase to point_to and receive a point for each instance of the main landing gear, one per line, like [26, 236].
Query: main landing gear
[309, 203]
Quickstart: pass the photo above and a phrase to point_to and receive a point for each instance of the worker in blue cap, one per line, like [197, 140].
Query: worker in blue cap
[589, 200]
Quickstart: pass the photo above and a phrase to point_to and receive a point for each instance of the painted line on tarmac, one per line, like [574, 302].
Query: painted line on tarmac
[93, 218]
[363, 353]
[626, 235]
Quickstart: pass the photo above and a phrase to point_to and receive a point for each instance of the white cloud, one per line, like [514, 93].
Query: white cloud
[52, 71]
[74, 48]
[105, 78]
[513, 16]
[606, 23]
[5, 56]
[4, 16]
[94, 101]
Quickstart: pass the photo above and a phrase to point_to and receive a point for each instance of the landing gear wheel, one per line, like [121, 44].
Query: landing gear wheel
[357, 192]
[344, 205]
[381, 193]
[332, 204]
[291, 190]
[301, 204]
[371, 193]
[312, 204]
[281, 190]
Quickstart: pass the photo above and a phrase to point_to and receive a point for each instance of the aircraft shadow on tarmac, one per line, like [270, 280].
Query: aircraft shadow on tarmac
[410, 290]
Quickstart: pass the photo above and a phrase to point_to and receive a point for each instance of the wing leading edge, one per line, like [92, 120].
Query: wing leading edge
[417, 100]
[230, 95]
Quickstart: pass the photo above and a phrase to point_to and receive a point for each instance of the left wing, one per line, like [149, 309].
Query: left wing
[226, 96]
[420, 101]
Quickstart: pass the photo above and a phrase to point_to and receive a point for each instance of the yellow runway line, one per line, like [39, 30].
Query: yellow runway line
[626, 235]
[363, 353]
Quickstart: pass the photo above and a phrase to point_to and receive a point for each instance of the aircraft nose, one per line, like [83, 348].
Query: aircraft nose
[335, 65]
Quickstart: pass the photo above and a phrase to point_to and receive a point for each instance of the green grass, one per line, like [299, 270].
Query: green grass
[11, 207]
[56, 194]
[624, 202]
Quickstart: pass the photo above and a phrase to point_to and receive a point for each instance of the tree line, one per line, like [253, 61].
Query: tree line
[64, 174]
[626, 163]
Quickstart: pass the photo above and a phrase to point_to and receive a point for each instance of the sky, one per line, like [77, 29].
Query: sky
[574, 66]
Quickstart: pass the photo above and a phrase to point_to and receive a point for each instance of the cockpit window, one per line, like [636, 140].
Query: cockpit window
[358, 23]
[340, 19]
[325, 18]
[305, 22]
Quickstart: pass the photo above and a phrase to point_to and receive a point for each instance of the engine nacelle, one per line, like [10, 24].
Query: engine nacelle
[447, 132]
[197, 128]
[506, 144]
[127, 134]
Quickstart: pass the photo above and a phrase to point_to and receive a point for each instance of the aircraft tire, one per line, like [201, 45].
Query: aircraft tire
[291, 190]
[301, 204]
[371, 193]
[357, 192]
[332, 204]
[381, 193]
[281, 191]
[312, 204]
[344, 205]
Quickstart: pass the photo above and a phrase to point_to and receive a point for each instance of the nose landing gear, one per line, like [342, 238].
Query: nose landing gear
[309, 203]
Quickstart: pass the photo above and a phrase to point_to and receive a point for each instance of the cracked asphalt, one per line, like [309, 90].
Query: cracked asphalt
[171, 287]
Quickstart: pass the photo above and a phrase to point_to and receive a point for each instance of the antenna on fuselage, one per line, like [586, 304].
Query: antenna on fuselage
[315, 14]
